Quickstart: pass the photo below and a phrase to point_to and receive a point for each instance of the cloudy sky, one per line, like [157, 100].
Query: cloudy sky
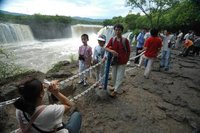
[83, 8]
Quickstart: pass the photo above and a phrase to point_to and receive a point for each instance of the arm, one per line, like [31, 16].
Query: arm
[109, 48]
[54, 89]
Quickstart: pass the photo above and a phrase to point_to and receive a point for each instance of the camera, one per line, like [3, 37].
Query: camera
[81, 57]
[46, 83]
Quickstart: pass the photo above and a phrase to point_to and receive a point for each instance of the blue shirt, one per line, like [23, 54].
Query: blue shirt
[140, 40]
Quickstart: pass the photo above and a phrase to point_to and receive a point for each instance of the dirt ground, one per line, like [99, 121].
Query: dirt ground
[167, 102]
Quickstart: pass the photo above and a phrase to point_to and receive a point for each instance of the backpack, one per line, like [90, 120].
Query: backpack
[123, 42]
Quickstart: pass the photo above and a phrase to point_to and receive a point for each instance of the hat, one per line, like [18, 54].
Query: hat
[101, 38]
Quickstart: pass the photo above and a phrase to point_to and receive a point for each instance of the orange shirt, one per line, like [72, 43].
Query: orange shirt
[188, 43]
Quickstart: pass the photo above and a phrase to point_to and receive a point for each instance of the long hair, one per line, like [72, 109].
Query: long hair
[30, 91]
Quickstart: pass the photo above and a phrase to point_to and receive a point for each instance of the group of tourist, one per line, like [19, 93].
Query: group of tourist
[33, 116]
[164, 42]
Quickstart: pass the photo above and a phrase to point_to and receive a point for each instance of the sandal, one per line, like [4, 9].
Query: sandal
[113, 94]
[111, 88]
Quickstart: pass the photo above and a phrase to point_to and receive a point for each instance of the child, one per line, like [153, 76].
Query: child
[98, 56]
[85, 56]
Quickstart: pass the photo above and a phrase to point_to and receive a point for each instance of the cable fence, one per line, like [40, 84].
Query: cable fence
[64, 82]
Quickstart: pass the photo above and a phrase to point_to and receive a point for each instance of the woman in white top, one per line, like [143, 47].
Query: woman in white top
[49, 119]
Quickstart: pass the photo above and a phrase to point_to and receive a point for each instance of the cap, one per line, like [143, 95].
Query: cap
[101, 38]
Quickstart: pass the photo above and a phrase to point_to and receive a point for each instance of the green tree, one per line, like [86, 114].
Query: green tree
[131, 21]
[150, 7]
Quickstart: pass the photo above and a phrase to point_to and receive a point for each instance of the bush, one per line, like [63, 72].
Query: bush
[8, 69]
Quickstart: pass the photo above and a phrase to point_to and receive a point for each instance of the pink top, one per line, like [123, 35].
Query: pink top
[86, 51]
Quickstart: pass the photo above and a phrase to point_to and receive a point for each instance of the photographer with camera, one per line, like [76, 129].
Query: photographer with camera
[34, 116]
[85, 57]
[120, 49]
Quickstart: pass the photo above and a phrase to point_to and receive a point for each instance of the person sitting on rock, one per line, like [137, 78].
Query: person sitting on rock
[44, 118]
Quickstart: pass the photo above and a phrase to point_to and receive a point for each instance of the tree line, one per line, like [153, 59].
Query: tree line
[162, 14]
[42, 19]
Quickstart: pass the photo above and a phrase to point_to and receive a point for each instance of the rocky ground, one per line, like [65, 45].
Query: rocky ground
[167, 102]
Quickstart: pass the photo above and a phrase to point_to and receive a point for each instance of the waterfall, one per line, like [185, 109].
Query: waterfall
[79, 29]
[10, 33]
[129, 35]
[109, 32]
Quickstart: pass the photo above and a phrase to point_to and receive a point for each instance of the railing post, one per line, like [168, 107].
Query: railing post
[107, 69]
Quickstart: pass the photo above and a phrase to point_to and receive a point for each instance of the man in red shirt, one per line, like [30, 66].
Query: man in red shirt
[152, 47]
[120, 49]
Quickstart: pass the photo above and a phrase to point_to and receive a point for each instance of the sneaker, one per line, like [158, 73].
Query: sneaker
[80, 81]
[100, 86]
[161, 66]
[166, 69]
[138, 65]
[85, 83]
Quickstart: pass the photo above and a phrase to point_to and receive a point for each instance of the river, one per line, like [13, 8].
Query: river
[42, 55]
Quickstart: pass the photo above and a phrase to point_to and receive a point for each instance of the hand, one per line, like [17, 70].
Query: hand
[95, 62]
[114, 53]
[54, 88]
[104, 59]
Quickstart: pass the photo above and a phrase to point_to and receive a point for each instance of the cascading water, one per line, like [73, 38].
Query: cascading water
[10, 33]
[79, 29]
[42, 55]
[109, 32]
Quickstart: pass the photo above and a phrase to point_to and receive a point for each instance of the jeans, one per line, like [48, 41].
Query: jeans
[74, 123]
[165, 59]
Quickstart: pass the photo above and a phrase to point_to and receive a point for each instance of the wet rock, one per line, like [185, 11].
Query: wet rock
[9, 92]
[3, 118]
[174, 99]
[60, 74]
